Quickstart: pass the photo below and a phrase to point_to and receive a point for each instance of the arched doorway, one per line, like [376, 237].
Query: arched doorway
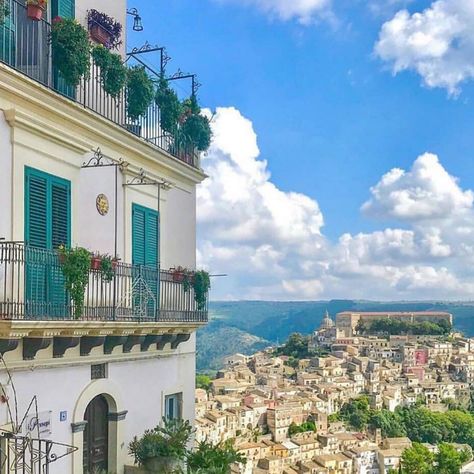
[96, 436]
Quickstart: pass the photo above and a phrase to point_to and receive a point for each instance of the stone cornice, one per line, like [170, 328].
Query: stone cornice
[10, 329]
[59, 115]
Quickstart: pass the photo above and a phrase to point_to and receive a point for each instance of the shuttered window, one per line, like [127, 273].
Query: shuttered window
[144, 236]
[47, 226]
[145, 254]
[63, 8]
[47, 210]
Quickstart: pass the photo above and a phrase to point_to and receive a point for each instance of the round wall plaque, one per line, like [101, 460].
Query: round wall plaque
[102, 204]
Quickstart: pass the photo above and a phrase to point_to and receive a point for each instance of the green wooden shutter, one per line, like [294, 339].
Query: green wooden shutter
[36, 236]
[64, 8]
[47, 226]
[145, 251]
[138, 235]
[36, 209]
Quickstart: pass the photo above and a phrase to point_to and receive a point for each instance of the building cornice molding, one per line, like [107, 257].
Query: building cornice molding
[71, 116]
[20, 119]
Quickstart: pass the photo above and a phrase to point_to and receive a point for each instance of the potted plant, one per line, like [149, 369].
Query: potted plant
[113, 72]
[35, 9]
[96, 261]
[104, 29]
[71, 50]
[107, 267]
[140, 92]
[163, 448]
[4, 11]
[75, 265]
[180, 274]
[170, 106]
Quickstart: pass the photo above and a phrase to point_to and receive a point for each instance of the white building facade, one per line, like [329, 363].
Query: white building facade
[75, 171]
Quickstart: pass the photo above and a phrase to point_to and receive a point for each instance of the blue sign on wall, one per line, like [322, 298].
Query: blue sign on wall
[63, 416]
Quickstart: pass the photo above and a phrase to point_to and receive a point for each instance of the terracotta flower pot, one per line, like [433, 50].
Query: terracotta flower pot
[35, 12]
[178, 277]
[100, 35]
[95, 263]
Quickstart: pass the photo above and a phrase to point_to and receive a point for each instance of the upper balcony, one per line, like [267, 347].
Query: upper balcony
[25, 45]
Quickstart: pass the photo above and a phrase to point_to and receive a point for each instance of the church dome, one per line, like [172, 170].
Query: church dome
[327, 322]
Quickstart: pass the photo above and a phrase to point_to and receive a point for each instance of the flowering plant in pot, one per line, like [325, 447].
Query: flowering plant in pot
[35, 9]
[181, 275]
[104, 29]
[96, 261]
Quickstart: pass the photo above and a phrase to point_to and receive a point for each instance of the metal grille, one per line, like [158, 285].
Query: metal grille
[26, 455]
[98, 371]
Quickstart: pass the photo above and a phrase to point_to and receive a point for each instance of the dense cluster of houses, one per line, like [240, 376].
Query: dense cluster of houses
[260, 400]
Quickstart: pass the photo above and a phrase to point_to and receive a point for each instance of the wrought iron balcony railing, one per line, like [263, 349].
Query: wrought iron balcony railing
[25, 46]
[32, 287]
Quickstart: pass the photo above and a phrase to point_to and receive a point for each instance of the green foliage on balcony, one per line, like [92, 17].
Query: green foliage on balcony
[75, 265]
[113, 72]
[71, 50]
[140, 92]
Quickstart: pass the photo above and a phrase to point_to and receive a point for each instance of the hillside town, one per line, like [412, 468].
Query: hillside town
[283, 412]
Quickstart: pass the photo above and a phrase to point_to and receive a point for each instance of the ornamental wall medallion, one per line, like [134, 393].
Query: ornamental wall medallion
[102, 204]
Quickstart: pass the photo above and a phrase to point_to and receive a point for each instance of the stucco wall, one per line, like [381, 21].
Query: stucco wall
[5, 179]
[139, 387]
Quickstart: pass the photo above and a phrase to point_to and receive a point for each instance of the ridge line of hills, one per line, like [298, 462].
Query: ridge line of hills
[249, 326]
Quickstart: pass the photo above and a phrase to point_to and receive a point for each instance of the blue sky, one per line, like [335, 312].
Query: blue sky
[330, 116]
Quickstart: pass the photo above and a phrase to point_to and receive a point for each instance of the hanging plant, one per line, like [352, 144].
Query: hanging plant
[113, 73]
[170, 106]
[200, 281]
[140, 92]
[104, 29]
[201, 286]
[75, 265]
[4, 11]
[71, 50]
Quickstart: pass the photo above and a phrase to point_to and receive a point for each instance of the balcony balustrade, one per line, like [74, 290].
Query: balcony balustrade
[26, 47]
[32, 287]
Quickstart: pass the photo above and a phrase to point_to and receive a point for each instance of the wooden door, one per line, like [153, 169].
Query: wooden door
[96, 436]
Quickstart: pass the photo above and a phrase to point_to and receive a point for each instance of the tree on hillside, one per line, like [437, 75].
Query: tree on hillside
[203, 381]
[449, 460]
[356, 413]
[417, 460]
[296, 347]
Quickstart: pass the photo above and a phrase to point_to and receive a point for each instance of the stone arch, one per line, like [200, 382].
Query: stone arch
[111, 393]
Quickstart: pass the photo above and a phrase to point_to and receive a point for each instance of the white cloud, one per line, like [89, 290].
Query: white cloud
[437, 43]
[272, 246]
[427, 191]
[304, 11]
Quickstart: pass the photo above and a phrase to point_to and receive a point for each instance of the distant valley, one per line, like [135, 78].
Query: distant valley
[248, 326]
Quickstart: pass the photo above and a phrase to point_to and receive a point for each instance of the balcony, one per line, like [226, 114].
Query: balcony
[25, 46]
[32, 288]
